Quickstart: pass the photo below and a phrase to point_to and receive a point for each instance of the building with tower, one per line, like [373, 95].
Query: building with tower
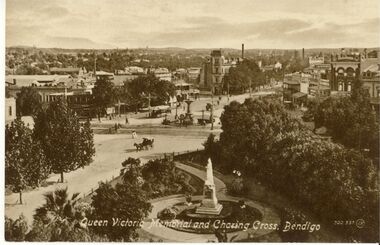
[213, 71]
[346, 69]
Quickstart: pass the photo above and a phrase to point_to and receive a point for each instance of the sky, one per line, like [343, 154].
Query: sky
[282, 24]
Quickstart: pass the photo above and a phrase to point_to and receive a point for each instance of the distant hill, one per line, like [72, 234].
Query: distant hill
[198, 51]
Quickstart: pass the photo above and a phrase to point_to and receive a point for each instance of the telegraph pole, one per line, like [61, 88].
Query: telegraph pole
[96, 79]
[149, 102]
[212, 107]
[150, 87]
[228, 90]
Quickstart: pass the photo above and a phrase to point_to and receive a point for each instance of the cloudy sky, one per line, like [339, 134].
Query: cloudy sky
[193, 23]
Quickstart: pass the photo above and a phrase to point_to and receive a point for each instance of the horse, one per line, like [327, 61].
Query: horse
[147, 143]
[139, 147]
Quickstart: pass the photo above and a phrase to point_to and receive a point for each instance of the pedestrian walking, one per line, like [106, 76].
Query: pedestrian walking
[134, 134]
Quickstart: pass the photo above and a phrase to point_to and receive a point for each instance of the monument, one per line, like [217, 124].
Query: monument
[188, 119]
[209, 203]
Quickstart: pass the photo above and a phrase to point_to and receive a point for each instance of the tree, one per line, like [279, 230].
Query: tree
[245, 75]
[128, 165]
[67, 144]
[140, 88]
[351, 121]
[103, 94]
[25, 163]
[15, 230]
[28, 101]
[59, 219]
[124, 202]
[262, 140]
[57, 206]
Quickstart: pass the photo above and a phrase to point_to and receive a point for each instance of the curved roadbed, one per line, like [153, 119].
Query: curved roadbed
[171, 235]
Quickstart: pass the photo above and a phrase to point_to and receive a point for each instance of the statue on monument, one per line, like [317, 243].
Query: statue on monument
[210, 203]
[209, 173]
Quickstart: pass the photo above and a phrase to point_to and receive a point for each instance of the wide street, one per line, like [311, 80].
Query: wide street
[111, 150]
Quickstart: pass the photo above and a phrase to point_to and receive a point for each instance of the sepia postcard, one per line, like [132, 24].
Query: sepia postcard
[191, 121]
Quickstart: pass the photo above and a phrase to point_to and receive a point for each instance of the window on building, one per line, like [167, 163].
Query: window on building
[349, 87]
[10, 110]
[340, 87]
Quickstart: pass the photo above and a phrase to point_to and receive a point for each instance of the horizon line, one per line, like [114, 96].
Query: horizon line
[169, 47]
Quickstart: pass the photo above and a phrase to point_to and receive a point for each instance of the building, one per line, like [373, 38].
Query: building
[38, 80]
[316, 60]
[213, 71]
[273, 67]
[278, 66]
[296, 88]
[162, 73]
[319, 83]
[78, 100]
[370, 73]
[180, 74]
[134, 70]
[193, 73]
[68, 71]
[186, 90]
[102, 75]
[319, 87]
[346, 69]
[370, 76]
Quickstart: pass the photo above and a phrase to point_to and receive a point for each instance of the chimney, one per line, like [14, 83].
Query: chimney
[242, 50]
[303, 53]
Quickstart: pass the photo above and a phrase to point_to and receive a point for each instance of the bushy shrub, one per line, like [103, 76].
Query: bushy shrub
[167, 214]
[237, 187]
[15, 230]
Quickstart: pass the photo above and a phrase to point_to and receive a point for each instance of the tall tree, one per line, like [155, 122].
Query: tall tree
[28, 101]
[25, 163]
[67, 144]
[103, 95]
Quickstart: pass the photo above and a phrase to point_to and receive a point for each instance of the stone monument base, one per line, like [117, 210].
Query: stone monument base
[210, 210]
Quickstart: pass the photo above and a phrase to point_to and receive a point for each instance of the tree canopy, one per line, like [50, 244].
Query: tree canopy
[140, 88]
[123, 202]
[28, 101]
[25, 163]
[240, 78]
[103, 94]
[67, 143]
[260, 139]
[350, 121]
